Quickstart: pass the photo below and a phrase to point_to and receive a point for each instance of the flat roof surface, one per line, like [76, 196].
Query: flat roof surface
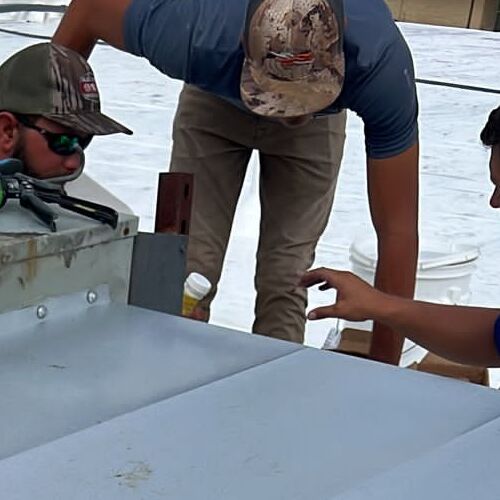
[117, 402]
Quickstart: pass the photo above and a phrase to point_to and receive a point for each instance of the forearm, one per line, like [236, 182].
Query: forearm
[75, 31]
[463, 334]
[395, 275]
[393, 196]
[87, 21]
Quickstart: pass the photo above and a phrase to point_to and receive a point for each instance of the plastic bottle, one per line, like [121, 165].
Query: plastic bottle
[196, 287]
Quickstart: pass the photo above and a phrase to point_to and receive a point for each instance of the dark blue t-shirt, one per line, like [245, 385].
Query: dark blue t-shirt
[199, 41]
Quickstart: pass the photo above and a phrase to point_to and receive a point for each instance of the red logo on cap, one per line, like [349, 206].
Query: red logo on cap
[289, 59]
[88, 87]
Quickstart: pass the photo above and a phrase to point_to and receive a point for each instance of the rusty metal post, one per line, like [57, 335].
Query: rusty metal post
[173, 204]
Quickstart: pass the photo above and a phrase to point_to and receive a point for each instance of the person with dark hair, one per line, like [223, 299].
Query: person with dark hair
[50, 111]
[490, 135]
[469, 335]
[277, 76]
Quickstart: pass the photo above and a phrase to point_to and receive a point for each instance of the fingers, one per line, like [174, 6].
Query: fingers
[320, 275]
[199, 314]
[353, 294]
[323, 312]
[325, 277]
[325, 286]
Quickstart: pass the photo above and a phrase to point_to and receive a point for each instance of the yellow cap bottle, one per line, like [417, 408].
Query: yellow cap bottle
[196, 287]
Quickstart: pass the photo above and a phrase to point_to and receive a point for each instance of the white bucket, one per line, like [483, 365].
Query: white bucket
[444, 269]
[444, 273]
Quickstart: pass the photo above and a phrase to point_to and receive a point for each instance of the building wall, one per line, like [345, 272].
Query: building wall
[479, 14]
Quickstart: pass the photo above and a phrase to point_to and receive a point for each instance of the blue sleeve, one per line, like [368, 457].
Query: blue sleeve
[496, 335]
[386, 101]
[197, 41]
[160, 31]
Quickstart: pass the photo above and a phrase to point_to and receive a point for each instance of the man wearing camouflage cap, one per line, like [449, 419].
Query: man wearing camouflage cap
[50, 110]
[263, 74]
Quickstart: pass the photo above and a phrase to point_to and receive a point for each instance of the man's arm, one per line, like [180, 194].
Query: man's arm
[393, 197]
[87, 21]
[462, 334]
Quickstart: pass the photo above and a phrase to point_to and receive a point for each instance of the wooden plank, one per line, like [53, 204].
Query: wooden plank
[396, 7]
[484, 14]
[443, 12]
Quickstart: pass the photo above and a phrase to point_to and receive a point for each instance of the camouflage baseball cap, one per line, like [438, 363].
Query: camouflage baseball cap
[294, 56]
[57, 83]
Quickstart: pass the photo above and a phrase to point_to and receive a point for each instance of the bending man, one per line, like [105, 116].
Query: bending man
[267, 64]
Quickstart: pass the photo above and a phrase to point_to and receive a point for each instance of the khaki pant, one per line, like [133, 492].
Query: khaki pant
[214, 139]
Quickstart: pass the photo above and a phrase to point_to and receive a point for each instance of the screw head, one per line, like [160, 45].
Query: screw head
[41, 312]
[91, 296]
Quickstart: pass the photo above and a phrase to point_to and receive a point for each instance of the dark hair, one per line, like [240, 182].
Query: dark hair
[490, 135]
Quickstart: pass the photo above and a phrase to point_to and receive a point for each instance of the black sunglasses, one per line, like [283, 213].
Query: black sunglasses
[62, 144]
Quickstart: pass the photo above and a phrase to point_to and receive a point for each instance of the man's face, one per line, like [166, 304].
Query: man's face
[495, 175]
[39, 160]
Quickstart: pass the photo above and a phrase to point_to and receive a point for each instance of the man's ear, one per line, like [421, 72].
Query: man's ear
[9, 133]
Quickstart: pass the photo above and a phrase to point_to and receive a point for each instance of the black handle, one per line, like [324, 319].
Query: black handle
[39, 184]
[30, 201]
[92, 210]
[4, 193]
[10, 166]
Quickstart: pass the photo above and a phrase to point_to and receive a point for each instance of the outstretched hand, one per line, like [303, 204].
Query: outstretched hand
[199, 314]
[356, 299]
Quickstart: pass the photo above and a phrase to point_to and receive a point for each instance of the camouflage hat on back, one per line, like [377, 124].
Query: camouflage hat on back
[294, 56]
[57, 83]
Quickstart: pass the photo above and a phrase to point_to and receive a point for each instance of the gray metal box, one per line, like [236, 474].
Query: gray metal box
[83, 253]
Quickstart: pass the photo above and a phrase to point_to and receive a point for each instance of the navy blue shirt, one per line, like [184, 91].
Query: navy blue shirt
[199, 41]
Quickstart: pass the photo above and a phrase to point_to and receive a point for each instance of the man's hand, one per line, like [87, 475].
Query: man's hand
[462, 334]
[200, 314]
[356, 299]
